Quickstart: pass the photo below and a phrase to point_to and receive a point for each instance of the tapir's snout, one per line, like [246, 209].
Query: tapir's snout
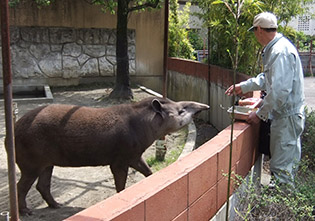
[202, 108]
[196, 107]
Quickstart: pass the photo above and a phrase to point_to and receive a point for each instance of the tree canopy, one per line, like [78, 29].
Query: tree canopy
[220, 17]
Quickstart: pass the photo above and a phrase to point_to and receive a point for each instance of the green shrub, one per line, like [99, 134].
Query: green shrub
[179, 45]
[308, 138]
[282, 202]
[195, 39]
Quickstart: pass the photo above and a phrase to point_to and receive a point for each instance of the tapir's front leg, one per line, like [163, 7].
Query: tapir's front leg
[120, 175]
[141, 166]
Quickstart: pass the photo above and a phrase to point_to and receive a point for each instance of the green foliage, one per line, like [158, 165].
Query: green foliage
[171, 154]
[195, 39]
[220, 17]
[262, 203]
[287, 9]
[13, 3]
[43, 2]
[106, 5]
[171, 157]
[228, 27]
[289, 32]
[179, 45]
[308, 138]
[304, 41]
[136, 5]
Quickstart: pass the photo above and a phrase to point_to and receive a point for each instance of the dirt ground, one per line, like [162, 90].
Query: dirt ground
[79, 188]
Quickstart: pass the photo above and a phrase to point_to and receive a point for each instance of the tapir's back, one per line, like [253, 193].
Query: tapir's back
[67, 135]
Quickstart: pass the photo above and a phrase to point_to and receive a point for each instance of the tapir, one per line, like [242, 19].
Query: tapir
[75, 136]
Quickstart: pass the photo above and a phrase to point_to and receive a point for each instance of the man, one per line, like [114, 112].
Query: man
[283, 81]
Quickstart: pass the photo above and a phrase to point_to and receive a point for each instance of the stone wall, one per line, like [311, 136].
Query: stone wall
[65, 53]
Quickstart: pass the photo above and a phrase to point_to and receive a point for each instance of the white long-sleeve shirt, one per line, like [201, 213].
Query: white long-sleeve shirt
[282, 79]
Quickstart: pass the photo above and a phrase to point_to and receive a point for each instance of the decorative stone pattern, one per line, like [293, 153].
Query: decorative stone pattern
[49, 52]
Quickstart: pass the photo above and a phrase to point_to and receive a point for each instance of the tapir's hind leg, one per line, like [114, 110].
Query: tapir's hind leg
[141, 166]
[43, 186]
[120, 175]
[23, 186]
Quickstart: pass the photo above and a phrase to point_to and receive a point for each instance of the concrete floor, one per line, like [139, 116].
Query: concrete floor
[309, 89]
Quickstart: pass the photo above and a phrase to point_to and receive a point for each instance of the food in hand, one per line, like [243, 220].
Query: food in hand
[248, 101]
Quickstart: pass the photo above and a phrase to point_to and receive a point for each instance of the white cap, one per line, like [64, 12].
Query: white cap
[264, 20]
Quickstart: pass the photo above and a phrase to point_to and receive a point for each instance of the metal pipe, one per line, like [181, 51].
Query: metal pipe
[310, 58]
[165, 66]
[7, 91]
[209, 75]
[6, 215]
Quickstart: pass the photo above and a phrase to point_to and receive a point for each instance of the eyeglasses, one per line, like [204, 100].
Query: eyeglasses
[255, 29]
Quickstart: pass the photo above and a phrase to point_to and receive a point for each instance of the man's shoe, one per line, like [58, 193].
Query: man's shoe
[272, 184]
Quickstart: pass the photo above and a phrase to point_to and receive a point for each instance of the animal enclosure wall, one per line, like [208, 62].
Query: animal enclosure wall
[47, 55]
[70, 42]
[189, 80]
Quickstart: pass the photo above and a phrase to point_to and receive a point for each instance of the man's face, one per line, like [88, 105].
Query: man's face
[259, 35]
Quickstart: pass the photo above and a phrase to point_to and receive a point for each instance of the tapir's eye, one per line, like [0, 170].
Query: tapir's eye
[181, 111]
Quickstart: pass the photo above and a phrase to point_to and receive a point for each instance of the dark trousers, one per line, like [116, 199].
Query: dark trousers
[264, 138]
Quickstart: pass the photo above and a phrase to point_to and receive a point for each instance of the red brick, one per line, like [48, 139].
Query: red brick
[169, 202]
[205, 207]
[214, 74]
[245, 163]
[240, 126]
[222, 188]
[223, 161]
[226, 77]
[190, 67]
[220, 141]
[104, 210]
[202, 71]
[155, 183]
[182, 217]
[202, 178]
[135, 213]
[237, 148]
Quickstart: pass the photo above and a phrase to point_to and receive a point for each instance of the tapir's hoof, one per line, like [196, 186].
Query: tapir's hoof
[55, 205]
[25, 212]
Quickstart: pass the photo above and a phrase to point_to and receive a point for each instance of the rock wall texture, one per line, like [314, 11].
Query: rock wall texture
[52, 52]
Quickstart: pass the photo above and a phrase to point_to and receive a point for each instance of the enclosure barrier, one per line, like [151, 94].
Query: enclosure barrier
[194, 187]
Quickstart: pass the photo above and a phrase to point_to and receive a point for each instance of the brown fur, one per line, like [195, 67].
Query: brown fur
[73, 136]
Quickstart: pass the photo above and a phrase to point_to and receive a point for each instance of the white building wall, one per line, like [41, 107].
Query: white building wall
[305, 23]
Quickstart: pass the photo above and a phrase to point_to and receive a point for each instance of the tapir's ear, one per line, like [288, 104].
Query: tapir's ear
[157, 106]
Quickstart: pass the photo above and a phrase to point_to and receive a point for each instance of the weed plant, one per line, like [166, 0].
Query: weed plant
[171, 154]
[257, 202]
[170, 158]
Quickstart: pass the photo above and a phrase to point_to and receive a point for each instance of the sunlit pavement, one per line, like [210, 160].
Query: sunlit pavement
[309, 89]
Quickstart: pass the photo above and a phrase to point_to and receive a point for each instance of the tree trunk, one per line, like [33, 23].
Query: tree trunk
[122, 88]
